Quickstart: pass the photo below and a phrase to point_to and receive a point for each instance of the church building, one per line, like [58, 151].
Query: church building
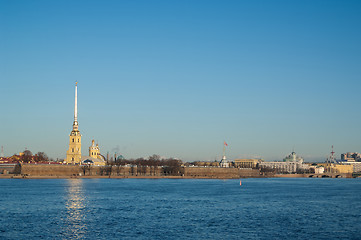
[94, 158]
[73, 155]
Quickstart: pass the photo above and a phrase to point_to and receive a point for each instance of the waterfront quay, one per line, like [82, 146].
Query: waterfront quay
[133, 171]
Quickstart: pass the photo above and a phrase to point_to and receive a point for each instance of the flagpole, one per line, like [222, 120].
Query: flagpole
[224, 150]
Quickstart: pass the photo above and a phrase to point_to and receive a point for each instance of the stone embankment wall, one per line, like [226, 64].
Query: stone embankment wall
[71, 170]
[137, 171]
[7, 168]
[121, 171]
[129, 171]
[216, 172]
[49, 170]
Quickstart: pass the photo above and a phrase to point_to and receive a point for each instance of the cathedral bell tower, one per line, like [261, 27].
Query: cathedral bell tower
[94, 150]
[73, 155]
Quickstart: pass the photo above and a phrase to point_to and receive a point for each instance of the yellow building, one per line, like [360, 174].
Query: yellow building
[246, 163]
[73, 155]
[94, 158]
[336, 168]
[94, 151]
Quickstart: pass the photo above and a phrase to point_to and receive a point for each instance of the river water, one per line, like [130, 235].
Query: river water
[180, 209]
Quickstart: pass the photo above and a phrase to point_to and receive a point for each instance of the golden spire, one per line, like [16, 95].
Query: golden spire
[75, 124]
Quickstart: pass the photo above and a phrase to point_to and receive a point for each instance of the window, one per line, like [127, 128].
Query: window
[72, 149]
[78, 140]
[73, 139]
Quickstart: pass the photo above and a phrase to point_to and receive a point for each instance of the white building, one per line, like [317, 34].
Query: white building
[318, 169]
[291, 163]
[286, 167]
[293, 158]
[224, 163]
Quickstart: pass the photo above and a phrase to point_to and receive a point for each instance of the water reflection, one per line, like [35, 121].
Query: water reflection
[75, 224]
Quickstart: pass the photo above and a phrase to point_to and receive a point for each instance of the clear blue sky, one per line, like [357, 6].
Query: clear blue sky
[177, 78]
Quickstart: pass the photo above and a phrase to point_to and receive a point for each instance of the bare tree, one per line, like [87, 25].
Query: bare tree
[41, 157]
[27, 156]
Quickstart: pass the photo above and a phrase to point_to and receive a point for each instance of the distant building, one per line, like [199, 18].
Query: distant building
[351, 157]
[86, 160]
[94, 158]
[94, 150]
[356, 166]
[224, 163]
[337, 168]
[73, 155]
[291, 164]
[282, 167]
[293, 158]
[247, 163]
[318, 169]
[5, 160]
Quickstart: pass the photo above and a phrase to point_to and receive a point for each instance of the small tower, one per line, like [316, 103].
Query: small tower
[94, 151]
[331, 158]
[73, 155]
[224, 162]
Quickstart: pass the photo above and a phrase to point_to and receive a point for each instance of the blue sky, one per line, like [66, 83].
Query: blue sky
[177, 78]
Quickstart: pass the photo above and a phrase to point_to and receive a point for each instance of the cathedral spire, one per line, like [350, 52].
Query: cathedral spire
[73, 155]
[76, 103]
[75, 124]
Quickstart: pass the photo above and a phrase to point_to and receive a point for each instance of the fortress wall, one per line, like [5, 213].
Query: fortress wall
[122, 171]
[211, 172]
[143, 171]
[215, 172]
[188, 172]
[249, 173]
[8, 168]
[49, 170]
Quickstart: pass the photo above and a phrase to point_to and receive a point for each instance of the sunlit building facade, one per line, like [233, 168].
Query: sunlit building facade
[73, 155]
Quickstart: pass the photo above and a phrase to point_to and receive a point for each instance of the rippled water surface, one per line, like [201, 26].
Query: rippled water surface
[180, 209]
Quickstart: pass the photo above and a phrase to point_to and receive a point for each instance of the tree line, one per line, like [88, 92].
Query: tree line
[139, 166]
[28, 157]
[152, 161]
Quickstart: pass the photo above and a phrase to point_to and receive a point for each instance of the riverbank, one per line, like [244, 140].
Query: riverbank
[129, 171]
[12, 176]
[46, 171]
[17, 176]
